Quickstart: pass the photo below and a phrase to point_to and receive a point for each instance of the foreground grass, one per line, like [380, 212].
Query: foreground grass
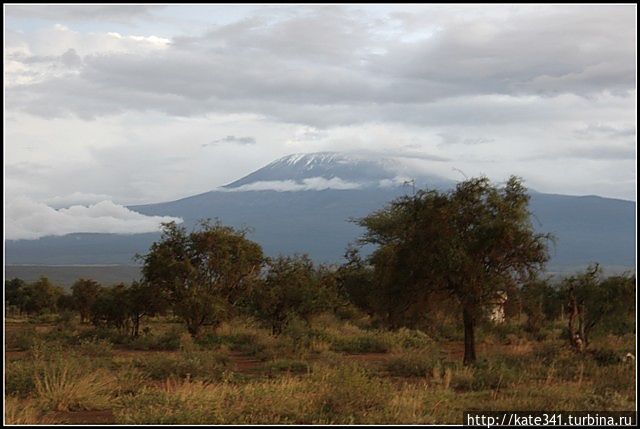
[331, 372]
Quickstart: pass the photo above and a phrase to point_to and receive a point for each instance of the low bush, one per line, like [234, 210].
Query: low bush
[19, 378]
[368, 343]
[130, 380]
[605, 357]
[169, 340]
[20, 339]
[412, 339]
[204, 365]
[486, 375]
[96, 348]
[412, 365]
[349, 394]
[286, 366]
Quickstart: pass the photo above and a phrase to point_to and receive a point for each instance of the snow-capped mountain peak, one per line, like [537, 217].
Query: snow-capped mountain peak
[328, 170]
[347, 171]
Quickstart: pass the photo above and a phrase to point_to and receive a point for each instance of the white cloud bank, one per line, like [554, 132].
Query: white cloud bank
[29, 219]
[76, 198]
[309, 184]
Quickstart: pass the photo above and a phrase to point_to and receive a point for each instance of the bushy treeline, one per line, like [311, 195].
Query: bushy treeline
[281, 290]
[436, 254]
[294, 289]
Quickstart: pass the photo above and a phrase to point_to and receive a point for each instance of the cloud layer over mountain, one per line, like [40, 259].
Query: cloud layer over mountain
[27, 219]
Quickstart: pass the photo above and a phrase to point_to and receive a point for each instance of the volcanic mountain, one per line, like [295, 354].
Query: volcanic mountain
[303, 203]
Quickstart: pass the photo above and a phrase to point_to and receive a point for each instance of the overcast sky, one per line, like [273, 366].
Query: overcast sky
[141, 104]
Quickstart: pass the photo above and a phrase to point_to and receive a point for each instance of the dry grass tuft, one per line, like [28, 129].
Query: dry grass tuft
[62, 385]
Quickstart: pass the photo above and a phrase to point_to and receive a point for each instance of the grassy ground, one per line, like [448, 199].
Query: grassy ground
[331, 372]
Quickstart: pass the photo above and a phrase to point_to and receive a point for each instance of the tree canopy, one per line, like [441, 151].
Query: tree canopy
[594, 302]
[202, 273]
[474, 242]
[84, 293]
[292, 287]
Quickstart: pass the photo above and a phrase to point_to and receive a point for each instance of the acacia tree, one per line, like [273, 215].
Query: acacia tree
[355, 279]
[473, 242]
[596, 302]
[41, 296]
[541, 302]
[112, 308]
[14, 294]
[292, 287]
[145, 300]
[84, 293]
[203, 273]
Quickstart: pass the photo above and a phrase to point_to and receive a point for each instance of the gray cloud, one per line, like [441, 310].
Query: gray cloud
[594, 131]
[56, 12]
[491, 89]
[329, 58]
[601, 152]
[232, 140]
[454, 139]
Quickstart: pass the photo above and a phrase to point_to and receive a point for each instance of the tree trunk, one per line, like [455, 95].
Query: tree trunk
[193, 326]
[136, 325]
[576, 335]
[469, 336]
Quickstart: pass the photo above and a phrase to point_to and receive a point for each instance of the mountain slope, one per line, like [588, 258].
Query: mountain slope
[315, 220]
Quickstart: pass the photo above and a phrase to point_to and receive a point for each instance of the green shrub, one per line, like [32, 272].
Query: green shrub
[505, 330]
[102, 333]
[610, 400]
[412, 339]
[463, 378]
[351, 394]
[494, 375]
[45, 318]
[286, 366]
[20, 339]
[96, 348]
[369, 343]
[62, 336]
[204, 365]
[620, 378]
[412, 365]
[142, 342]
[605, 357]
[446, 331]
[169, 340]
[548, 352]
[130, 380]
[19, 378]
[487, 375]
[160, 367]
[209, 341]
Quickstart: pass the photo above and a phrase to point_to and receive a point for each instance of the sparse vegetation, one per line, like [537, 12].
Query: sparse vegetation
[289, 342]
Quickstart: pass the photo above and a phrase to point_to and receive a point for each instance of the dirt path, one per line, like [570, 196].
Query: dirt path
[454, 350]
[103, 417]
[14, 354]
[244, 364]
[368, 358]
[123, 352]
